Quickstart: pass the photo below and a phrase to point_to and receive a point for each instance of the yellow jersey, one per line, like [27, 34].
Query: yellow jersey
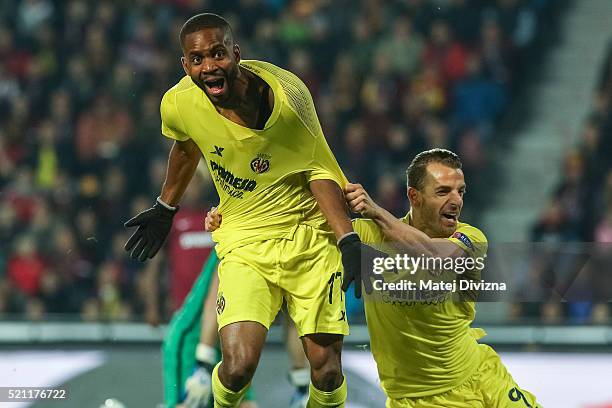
[262, 175]
[423, 348]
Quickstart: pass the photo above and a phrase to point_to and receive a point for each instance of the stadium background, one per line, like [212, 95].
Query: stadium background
[521, 89]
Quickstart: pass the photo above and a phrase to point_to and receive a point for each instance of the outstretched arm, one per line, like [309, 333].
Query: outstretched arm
[406, 237]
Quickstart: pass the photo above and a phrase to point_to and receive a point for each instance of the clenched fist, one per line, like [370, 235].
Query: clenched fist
[359, 201]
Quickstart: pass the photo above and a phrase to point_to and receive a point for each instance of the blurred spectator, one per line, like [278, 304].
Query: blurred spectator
[46, 155]
[55, 294]
[443, 54]
[552, 225]
[464, 19]
[478, 101]
[97, 51]
[26, 267]
[77, 80]
[9, 226]
[402, 47]
[15, 62]
[300, 63]
[517, 19]
[402, 145]
[571, 193]
[111, 304]
[9, 88]
[601, 314]
[140, 51]
[102, 131]
[357, 155]
[73, 269]
[32, 13]
[495, 53]
[390, 193]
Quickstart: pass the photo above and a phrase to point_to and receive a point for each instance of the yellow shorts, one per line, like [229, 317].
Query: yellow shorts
[491, 386]
[305, 271]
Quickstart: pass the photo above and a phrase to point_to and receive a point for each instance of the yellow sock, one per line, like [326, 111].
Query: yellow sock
[224, 397]
[327, 399]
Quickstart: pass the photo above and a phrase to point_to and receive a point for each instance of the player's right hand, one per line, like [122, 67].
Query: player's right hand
[213, 220]
[198, 388]
[359, 201]
[153, 227]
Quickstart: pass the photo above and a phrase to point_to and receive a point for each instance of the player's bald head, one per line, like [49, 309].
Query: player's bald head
[207, 20]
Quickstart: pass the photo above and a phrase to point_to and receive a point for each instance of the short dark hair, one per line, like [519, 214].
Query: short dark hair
[418, 168]
[205, 20]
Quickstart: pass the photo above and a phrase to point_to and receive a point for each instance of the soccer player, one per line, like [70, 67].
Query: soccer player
[280, 191]
[426, 353]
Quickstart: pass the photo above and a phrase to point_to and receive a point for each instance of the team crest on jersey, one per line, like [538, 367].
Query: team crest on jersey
[261, 163]
[220, 303]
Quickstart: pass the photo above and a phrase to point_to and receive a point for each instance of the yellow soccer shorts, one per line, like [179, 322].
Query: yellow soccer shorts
[491, 386]
[304, 271]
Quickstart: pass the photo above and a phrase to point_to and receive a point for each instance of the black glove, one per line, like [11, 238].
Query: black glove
[153, 226]
[358, 260]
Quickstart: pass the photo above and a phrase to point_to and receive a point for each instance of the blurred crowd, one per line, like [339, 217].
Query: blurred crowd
[580, 210]
[80, 143]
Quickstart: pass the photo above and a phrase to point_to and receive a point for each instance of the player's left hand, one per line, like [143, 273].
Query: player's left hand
[213, 220]
[359, 201]
[358, 261]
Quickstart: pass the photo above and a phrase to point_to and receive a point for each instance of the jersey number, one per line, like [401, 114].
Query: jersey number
[330, 282]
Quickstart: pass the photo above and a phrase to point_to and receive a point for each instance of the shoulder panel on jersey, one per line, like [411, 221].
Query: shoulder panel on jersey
[297, 94]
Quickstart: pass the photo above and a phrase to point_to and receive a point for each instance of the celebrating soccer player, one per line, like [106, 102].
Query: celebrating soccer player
[426, 353]
[281, 197]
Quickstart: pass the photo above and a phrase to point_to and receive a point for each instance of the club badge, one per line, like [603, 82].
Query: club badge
[261, 163]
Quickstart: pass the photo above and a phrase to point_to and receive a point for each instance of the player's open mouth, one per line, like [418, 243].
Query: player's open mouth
[449, 218]
[215, 87]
